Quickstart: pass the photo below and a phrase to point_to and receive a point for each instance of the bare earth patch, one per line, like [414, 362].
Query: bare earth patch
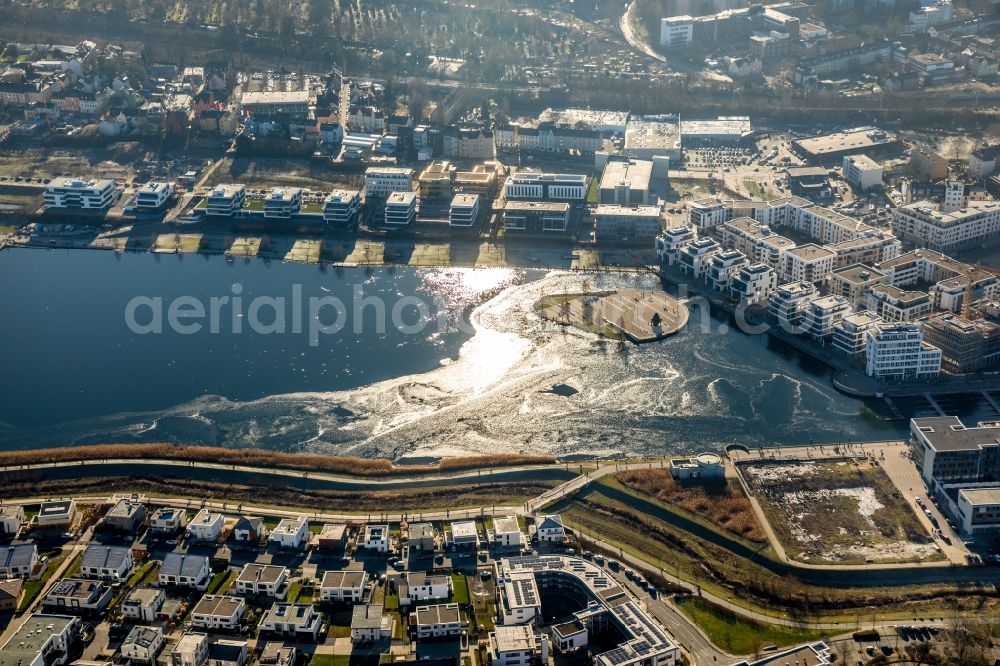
[838, 511]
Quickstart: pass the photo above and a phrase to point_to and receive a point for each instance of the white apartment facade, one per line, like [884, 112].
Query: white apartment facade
[341, 207]
[790, 301]
[821, 315]
[380, 182]
[80, 194]
[897, 352]
[292, 533]
[695, 257]
[153, 195]
[225, 200]
[669, 242]
[753, 284]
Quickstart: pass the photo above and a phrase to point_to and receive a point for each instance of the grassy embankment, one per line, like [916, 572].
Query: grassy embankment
[647, 529]
[453, 497]
[262, 458]
[738, 636]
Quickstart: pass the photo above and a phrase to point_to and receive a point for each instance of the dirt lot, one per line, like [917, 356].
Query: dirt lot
[838, 511]
[45, 163]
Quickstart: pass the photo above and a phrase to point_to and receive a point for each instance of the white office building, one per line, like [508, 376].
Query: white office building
[81, 194]
[897, 352]
[380, 182]
[530, 186]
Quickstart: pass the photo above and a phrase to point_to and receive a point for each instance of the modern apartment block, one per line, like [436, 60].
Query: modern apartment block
[153, 195]
[862, 172]
[282, 203]
[225, 200]
[790, 301]
[722, 267]
[342, 207]
[401, 209]
[850, 334]
[925, 225]
[821, 315]
[753, 284]
[627, 223]
[464, 210]
[966, 345]
[670, 241]
[695, 256]
[80, 194]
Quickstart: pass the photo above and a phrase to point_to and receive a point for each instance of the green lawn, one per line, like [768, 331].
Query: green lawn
[254, 204]
[219, 581]
[72, 570]
[460, 589]
[340, 624]
[594, 191]
[739, 636]
[331, 659]
[391, 602]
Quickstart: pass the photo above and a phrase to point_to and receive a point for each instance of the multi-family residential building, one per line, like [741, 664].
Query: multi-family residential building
[290, 533]
[536, 216]
[348, 586]
[142, 645]
[111, 563]
[464, 210]
[218, 612]
[923, 224]
[549, 528]
[77, 596]
[206, 526]
[468, 143]
[153, 195]
[18, 560]
[695, 256]
[853, 282]
[443, 620]
[42, 640]
[142, 604]
[420, 586]
[184, 570]
[978, 510]
[967, 345]
[927, 164]
[263, 579]
[299, 622]
[513, 646]
[342, 207]
[641, 639]
[821, 315]
[670, 241]
[81, 194]
[380, 182]
[401, 209]
[190, 650]
[862, 172]
[282, 202]
[808, 263]
[722, 267]
[896, 352]
[627, 223]
[850, 334]
[507, 532]
[125, 516]
[893, 304]
[376, 538]
[530, 186]
[788, 303]
[56, 513]
[370, 624]
[753, 284]
[225, 200]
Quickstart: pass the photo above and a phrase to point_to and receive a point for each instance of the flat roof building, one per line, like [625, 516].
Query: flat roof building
[93, 194]
[536, 216]
[836, 145]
